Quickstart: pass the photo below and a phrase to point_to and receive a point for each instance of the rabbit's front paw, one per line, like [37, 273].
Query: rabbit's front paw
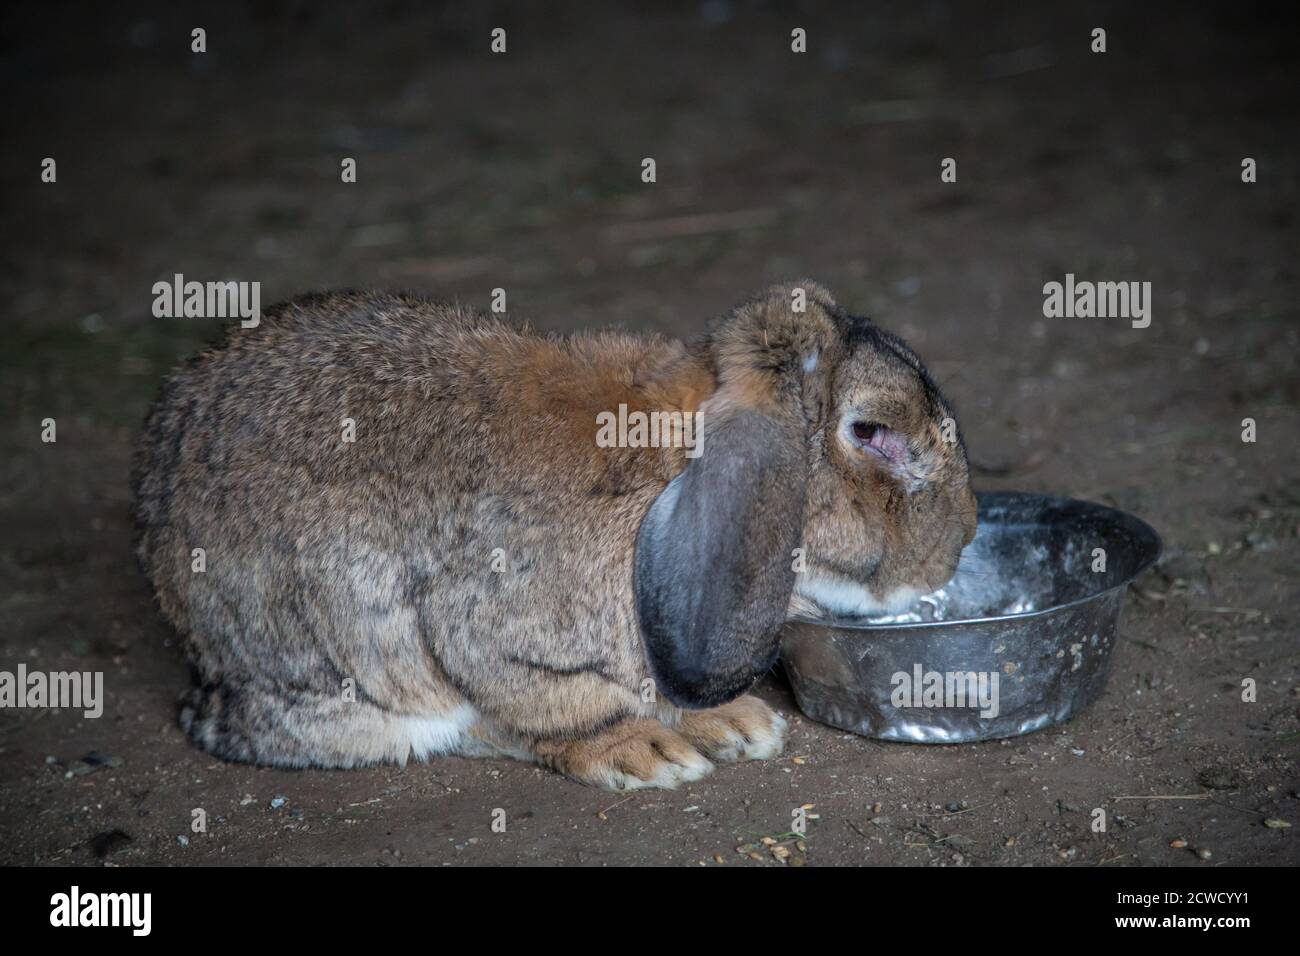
[745, 729]
[631, 756]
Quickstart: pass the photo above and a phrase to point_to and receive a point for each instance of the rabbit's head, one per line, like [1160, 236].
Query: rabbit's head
[832, 480]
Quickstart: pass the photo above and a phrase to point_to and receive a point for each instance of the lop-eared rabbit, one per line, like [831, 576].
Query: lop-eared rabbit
[413, 542]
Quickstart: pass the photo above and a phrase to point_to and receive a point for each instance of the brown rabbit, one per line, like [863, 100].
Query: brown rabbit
[412, 541]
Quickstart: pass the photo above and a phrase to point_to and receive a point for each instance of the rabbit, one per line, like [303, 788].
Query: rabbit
[384, 528]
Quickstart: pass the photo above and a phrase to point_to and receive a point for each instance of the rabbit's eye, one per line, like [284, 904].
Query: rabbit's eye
[885, 448]
[870, 434]
[881, 441]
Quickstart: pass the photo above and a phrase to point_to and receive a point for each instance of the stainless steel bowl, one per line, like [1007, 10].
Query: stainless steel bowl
[1020, 639]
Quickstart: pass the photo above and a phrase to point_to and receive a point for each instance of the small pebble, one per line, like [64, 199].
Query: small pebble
[90, 763]
[1204, 854]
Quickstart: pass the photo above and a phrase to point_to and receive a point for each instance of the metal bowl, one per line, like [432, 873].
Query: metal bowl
[1018, 640]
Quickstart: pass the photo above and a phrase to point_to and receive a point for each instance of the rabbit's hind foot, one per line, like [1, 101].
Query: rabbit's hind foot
[631, 755]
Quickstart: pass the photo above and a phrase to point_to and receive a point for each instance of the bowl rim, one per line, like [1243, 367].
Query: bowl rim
[1135, 523]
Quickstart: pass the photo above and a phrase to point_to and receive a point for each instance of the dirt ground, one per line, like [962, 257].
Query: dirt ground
[523, 171]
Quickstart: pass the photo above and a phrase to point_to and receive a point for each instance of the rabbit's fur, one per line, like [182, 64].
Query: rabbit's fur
[354, 606]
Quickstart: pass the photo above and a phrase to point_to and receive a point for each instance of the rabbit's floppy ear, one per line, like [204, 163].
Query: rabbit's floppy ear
[714, 568]
[714, 565]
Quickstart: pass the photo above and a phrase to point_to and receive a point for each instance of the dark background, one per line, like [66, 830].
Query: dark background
[523, 171]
